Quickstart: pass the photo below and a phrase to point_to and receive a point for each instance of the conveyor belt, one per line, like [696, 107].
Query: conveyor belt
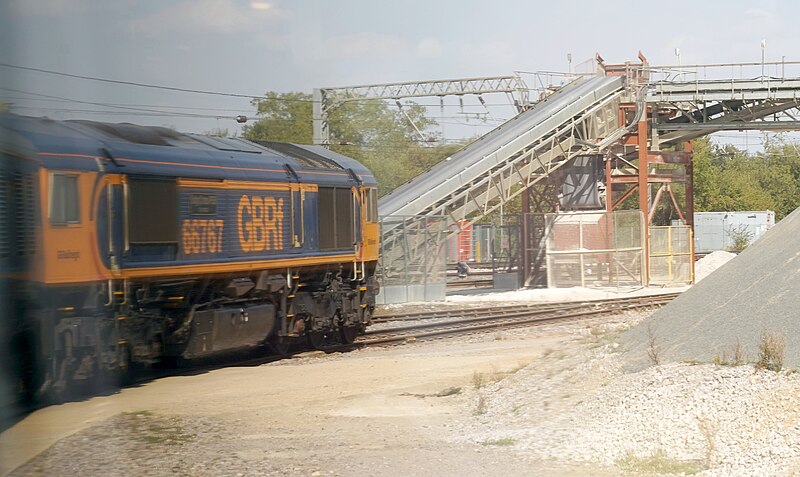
[444, 188]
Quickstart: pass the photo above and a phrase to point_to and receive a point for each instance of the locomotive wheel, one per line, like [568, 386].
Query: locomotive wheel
[124, 371]
[315, 339]
[348, 334]
[63, 370]
[280, 345]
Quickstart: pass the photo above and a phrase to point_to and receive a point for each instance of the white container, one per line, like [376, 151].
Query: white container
[717, 230]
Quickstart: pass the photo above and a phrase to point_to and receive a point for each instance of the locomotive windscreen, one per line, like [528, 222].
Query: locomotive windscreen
[152, 211]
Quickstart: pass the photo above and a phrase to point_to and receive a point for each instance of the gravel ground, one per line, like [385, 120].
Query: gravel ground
[678, 418]
[556, 401]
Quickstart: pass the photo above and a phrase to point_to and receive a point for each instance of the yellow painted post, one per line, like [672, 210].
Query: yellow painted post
[670, 256]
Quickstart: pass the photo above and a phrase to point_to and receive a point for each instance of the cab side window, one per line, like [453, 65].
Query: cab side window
[152, 211]
[64, 207]
[372, 205]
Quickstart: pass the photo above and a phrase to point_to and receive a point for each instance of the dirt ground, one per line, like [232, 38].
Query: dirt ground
[393, 411]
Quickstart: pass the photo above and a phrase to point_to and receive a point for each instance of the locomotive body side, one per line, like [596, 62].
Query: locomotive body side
[19, 245]
[157, 245]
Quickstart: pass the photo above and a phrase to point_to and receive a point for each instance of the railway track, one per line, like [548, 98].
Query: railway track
[410, 327]
[481, 283]
[472, 320]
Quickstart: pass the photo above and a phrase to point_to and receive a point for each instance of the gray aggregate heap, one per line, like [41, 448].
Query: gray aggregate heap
[757, 292]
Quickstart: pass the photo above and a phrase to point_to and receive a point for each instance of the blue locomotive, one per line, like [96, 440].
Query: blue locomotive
[152, 244]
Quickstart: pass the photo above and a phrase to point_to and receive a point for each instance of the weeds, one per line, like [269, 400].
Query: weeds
[659, 463]
[480, 380]
[708, 429]
[480, 405]
[477, 380]
[736, 357]
[653, 350]
[738, 353]
[740, 238]
[771, 351]
[505, 441]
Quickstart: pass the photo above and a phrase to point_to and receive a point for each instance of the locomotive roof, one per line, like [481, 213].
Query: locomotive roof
[147, 150]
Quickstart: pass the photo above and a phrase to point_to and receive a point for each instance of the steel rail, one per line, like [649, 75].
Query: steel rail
[522, 319]
[474, 311]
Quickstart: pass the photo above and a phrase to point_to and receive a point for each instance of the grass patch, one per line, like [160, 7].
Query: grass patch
[659, 463]
[505, 441]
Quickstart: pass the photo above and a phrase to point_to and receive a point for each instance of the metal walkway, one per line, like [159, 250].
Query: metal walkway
[707, 106]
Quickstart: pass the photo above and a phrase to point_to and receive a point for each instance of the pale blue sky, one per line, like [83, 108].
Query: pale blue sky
[249, 47]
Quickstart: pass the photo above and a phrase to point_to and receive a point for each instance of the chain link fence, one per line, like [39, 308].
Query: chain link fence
[595, 249]
[671, 255]
[413, 259]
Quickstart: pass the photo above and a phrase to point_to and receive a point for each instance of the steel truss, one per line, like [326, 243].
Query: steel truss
[535, 162]
[688, 110]
[326, 99]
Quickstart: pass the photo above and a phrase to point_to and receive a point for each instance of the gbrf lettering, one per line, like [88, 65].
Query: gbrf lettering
[260, 223]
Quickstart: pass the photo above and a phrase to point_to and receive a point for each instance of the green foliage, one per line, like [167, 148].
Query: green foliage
[740, 238]
[381, 137]
[729, 179]
[284, 117]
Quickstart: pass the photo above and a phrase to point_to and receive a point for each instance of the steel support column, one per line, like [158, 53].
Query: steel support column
[525, 248]
[644, 189]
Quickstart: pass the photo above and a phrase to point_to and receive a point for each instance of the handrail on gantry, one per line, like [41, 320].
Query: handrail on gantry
[697, 100]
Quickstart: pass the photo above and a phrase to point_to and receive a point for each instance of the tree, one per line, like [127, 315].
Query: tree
[395, 145]
[730, 179]
[284, 117]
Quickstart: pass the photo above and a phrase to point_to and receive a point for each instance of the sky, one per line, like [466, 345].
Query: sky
[253, 46]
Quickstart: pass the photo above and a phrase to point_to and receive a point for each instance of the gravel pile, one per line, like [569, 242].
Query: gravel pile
[706, 265]
[753, 295]
[716, 420]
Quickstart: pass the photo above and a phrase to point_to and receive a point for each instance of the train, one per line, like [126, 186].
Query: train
[127, 245]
